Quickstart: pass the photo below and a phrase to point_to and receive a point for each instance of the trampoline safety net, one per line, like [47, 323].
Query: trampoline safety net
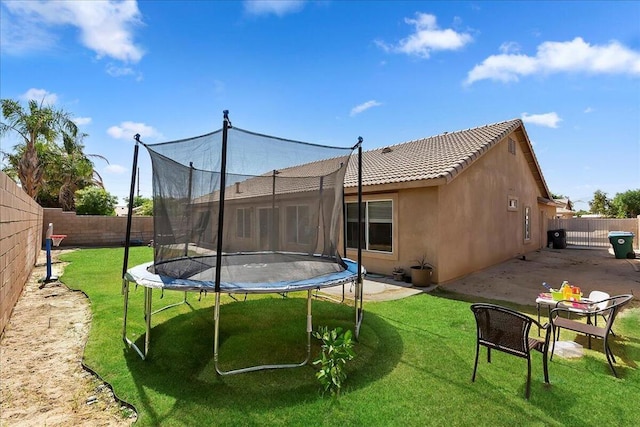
[282, 207]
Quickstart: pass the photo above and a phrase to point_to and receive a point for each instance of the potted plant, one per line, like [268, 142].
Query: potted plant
[421, 272]
[398, 273]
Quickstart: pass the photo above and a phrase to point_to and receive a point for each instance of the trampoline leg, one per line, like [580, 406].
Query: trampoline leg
[309, 326]
[358, 307]
[216, 329]
[131, 344]
[147, 316]
[125, 292]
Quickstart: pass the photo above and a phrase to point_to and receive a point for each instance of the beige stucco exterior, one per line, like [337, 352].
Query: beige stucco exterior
[466, 224]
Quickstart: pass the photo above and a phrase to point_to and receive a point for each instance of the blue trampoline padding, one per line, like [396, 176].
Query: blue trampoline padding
[142, 276]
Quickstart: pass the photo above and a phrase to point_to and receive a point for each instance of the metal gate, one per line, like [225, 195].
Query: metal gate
[594, 232]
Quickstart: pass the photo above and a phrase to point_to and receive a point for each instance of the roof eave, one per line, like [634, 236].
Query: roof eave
[396, 186]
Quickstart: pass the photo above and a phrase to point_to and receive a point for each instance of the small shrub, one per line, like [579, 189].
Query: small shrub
[337, 349]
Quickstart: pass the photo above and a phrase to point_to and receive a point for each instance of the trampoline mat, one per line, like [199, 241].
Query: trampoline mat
[245, 273]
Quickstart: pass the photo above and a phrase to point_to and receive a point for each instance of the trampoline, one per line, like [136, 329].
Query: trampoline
[237, 212]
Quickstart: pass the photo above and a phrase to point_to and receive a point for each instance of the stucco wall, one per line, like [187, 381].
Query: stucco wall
[478, 229]
[418, 229]
[415, 230]
[465, 225]
[96, 230]
[20, 242]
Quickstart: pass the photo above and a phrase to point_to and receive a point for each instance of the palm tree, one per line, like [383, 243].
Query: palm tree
[38, 124]
[74, 170]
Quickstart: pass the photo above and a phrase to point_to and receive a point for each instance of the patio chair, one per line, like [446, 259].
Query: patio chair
[611, 308]
[506, 330]
[599, 297]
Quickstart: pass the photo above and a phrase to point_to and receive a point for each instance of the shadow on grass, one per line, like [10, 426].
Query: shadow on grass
[443, 293]
[180, 365]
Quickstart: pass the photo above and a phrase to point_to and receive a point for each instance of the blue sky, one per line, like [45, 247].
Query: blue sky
[330, 71]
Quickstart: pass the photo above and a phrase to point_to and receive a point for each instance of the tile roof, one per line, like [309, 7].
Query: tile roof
[435, 160]
[442, 156]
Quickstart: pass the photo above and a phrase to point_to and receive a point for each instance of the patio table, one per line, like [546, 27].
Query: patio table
[584, 306]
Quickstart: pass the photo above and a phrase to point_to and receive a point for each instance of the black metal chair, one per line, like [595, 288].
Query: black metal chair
[506, 330]
[607, 308]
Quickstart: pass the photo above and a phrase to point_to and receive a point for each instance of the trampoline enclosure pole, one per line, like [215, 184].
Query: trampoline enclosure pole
[127, 239]
[359, 285]
[226, 123]
[273, 240]
[189, 225]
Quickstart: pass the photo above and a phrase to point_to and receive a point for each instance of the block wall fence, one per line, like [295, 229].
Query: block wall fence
[96, 230]
[20, 243]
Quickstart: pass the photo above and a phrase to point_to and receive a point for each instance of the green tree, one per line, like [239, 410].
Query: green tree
[73, 171]
[137, 201]
[45, 154]
[36, 124]
[144, 203]
[147, 208]
[600, 203]
[626, 205]
[95, 201]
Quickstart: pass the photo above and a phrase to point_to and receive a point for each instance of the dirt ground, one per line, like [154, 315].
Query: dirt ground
[42, 381]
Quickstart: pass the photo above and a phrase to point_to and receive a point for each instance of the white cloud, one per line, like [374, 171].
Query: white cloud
[276, 7]
[588, 110]
[40, 95]
[549, 120]
[105, 26]
[558, 57]
[115, 169]
[363, 107]
[427, 37]
[127, 130]
[509, 47]
[115, 71]
[17, 38]
[82, 120]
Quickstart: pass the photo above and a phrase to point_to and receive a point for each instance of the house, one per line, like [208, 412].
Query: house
[464, 200]
[564, 208]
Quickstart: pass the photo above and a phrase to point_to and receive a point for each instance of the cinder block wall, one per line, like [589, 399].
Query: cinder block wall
[20, 243]
[95, 230]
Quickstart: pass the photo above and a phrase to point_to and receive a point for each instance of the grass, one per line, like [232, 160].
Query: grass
[413, 362]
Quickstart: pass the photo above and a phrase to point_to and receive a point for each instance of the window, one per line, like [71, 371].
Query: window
[243, 222]
[512, 203]
[527, 223]
[298, 225]
[512, 146]
[377, 225]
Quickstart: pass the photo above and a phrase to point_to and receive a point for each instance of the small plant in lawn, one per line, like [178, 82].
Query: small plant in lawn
[337, 349]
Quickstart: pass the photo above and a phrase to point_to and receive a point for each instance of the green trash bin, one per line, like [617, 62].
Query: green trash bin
[622, 242]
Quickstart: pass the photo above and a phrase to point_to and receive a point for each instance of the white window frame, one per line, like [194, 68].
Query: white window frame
[366, 221]
[241, 226]
[527, 223]
[298, 239]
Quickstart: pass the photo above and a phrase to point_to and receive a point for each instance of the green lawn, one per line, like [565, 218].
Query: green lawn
[413, 362]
